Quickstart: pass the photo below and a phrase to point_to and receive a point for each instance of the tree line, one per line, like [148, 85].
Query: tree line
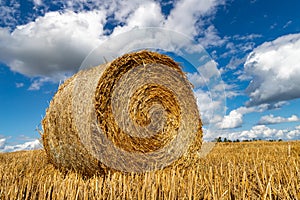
[220, 139]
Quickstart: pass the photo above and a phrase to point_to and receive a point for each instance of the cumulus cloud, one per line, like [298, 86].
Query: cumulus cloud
[271, 119]
[137, 14]
[233, 120]
[209, 70]
[35, 144]
[55, 44]
[275, 70]
[266, 133]
[183, 18]
[208, 107]
[52, 45]
[235, 117]
[147, 14]
[205, 73]
[209, 90]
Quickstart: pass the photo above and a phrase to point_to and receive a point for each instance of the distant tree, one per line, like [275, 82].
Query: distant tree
[225, 140]
[280, 140]
[219, 139]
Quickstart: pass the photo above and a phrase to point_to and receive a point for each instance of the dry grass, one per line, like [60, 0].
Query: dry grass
[253, 170]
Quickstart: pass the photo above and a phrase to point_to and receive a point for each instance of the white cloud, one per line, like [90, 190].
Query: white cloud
[38, 83]
[271, 119]
[275, 69]
[277, 105]
[247, 37]
[234, 63]
[298, 127]
[238, 44]
[209, 37]
[205, 74]
[51, 45]
[138, 14]
[2, 143]
[208, 107]
[264, 132]
[233, 120]
[183, 18]
[288, 23]
[55, 44]
[9, 11]
[231, 92]
[209, 70]
[38, 2]
[35, 144]
[146, 15]
[209, 90]
[19, 85]
[124, 9]
[235, 117]
[75, 5]
[196, 79]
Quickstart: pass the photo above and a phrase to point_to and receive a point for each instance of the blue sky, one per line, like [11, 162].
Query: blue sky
[254, 47]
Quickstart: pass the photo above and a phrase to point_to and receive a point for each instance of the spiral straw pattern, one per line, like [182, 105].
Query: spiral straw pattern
[135, 114]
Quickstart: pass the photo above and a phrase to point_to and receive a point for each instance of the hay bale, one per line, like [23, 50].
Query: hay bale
[137, 113]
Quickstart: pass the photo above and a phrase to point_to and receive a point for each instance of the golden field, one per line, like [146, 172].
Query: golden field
[241, 170]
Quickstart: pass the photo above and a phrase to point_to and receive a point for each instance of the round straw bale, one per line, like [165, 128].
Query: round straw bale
[134, 114]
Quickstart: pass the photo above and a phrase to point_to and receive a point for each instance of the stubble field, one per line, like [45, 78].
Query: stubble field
[241, 170]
